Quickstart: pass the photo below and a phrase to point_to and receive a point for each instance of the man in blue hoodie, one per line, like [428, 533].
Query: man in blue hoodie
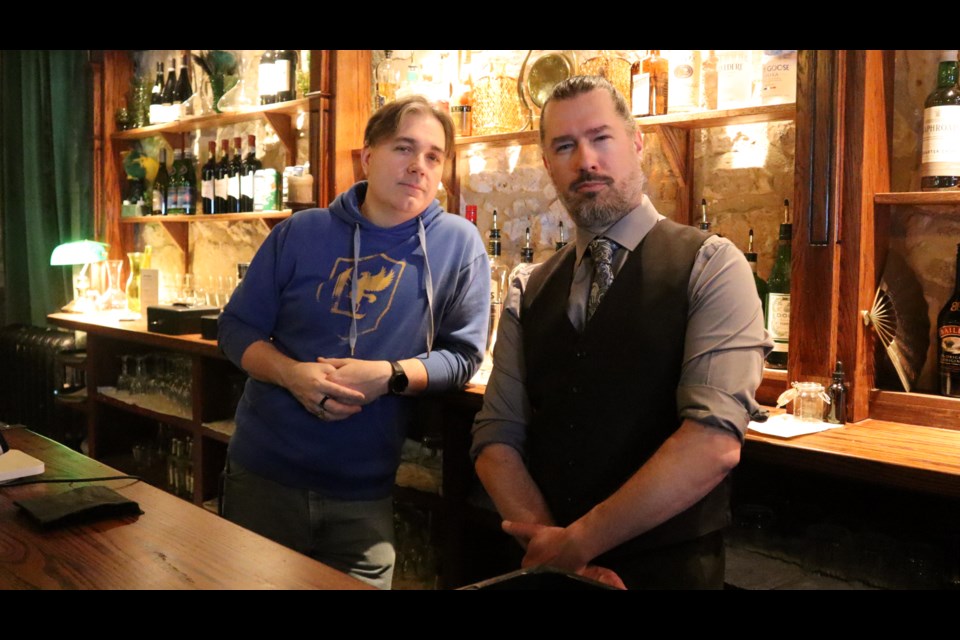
[343, 313]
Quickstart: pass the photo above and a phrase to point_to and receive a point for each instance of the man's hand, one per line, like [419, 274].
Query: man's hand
[369, 377]
[311, 385]
[555, 546]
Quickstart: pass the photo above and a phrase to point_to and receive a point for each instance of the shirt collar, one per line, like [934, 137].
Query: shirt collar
[627, 232]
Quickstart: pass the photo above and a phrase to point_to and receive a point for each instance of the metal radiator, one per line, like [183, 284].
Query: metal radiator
[30, 373]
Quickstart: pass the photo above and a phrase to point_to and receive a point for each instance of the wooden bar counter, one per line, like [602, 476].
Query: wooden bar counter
[173, 545]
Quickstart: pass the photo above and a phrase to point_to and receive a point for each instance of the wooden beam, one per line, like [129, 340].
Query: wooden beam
[353, 79]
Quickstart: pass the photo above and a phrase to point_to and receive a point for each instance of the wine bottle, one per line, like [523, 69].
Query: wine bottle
[161, 185]
[498, 283]
[940, 156]
[234, 174]
[251, 164]
[169, 92]
[177, 176]
[778, 295]
[207, 177]
[188, 186]
[948, 334]
[265, 80]
[760, 283]
[183, 89]
[285, 74]
[526, 252]
[221, 178]
[156, 102]
[659, 70]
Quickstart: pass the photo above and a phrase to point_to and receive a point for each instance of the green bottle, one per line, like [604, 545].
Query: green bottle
[778, 296]
[940, 155]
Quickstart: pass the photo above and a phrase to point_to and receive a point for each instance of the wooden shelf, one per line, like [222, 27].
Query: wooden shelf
[193, 123]
[918, 197]
[694, 120]
[135, 331]
[167, 418]
[916, 408]
[215, 217]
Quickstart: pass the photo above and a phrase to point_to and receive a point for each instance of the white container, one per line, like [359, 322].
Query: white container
[684, 92]
[734, 79]
[779, 84]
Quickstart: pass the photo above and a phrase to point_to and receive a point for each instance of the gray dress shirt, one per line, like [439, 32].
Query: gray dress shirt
[723, 354]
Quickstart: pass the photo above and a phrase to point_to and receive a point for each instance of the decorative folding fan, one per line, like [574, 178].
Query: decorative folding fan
[900, 318]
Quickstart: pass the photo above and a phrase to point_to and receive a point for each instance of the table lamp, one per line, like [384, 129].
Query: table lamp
[75, 253]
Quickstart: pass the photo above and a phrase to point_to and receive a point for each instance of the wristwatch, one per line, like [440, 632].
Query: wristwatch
[398, 379]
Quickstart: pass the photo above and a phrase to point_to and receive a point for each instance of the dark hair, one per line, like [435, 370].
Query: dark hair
[579, 85]
[385, 122]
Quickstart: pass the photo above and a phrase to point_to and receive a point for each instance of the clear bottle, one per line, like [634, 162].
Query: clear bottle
[561, 238]
[708, 80]
[659, 70]
[388, 79]
[948, 340]
[266, 84]
[704, 223]
[940, 156]
[778, 296]
[684, 93]
[734, 78]
[760, 283]
[498, 283]
[639, 89]
[526, 251]
[779, 76]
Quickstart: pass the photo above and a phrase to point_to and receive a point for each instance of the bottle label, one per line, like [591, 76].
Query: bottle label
[206, 189]
[941, 141]
[186, 198]
[281, 75]
[246, 185]
[157, 201]
[734, 82]
[778, 319]
[233, 187]
[265, 79]
[173, 199]
[779, 77]
[220, 188]
[640, 94]
[949, 348]
[684, 94]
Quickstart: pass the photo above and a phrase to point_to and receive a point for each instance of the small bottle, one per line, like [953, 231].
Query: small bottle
[639, 90]
[940, 155]
[659, 69]
[708, 79]
[526, 252]
[388, 79]
[207, 177]
[837, 413]
[221, 179]
[266, 85]
[561, 241]
[760, 283]
[161, 185]
[498, 283]
[684, 93]
[948, 335]
[704, 223]
[778, 295]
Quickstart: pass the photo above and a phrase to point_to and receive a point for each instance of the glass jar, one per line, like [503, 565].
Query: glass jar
[496, 100]
[808, 405]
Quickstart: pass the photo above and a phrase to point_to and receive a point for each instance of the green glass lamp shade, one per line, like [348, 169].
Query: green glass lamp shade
[80, 252]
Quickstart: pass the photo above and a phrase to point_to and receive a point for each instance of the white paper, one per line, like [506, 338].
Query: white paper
[784, 425]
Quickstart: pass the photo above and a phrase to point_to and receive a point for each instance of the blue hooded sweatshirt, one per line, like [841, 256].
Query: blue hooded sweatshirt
[423, 291]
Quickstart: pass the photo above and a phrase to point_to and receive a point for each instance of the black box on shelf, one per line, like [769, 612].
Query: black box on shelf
[208, 326]
[175, 320]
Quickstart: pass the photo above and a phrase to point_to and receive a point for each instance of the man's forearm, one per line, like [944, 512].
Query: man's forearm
[687, 467]
[505, 477]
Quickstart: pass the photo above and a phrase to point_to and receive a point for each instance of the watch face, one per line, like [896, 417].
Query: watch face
[398, 381]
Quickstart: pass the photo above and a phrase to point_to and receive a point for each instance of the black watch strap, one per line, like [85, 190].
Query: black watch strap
[398, 379]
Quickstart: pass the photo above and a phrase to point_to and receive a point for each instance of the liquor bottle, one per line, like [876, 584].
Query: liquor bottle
[760, 283]
[734, 79]
[207, 177]
[837, 413]
[639, 90]
[948, 335]
[684, 93]
[169, 93]
[526, 252]
[188, 186]
[940, 158]
[161, 185]
[251, 164]
[659, 69]
[285, 74]
[388, 79]
[471, 214]
[778, 295]
[183, 90]
[234, 171]
[562, 241]
[779, 76]
[177, 176]
[220, 179]
[266, 86]
[704, 223]
[156, 102]
[708, 78]
[498, 283]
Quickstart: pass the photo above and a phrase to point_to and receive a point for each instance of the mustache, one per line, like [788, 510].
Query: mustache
[586, 176]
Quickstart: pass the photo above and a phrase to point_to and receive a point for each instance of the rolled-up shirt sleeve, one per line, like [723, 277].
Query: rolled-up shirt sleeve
[506, 409]
[726, 341]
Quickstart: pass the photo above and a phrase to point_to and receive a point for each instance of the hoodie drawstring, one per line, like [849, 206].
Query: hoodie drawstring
[428, 280]
[355, 289]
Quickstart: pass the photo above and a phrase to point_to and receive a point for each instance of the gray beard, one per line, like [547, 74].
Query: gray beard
[602, 210]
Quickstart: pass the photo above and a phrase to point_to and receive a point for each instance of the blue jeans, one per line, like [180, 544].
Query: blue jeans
[355, 537]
